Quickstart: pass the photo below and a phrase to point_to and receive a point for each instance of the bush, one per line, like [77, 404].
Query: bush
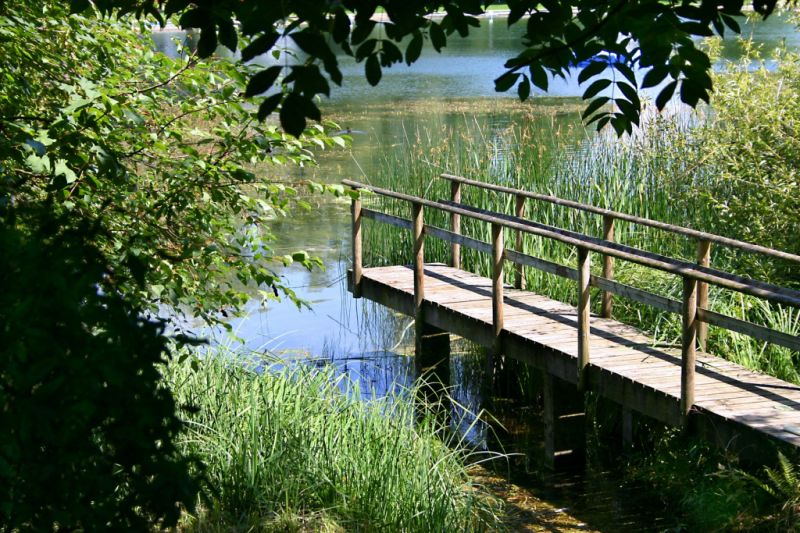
[750, 153]
[88, 432]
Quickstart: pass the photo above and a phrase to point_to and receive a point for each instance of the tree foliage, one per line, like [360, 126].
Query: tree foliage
[163, 154]
[560, 34]
[88, 432]
[128, 180]
[747, 156]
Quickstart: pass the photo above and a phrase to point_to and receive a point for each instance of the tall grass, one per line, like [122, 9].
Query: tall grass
[289, 442]
[649, 175]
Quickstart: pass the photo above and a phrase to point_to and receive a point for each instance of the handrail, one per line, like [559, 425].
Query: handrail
[755, 248]
[759, 289]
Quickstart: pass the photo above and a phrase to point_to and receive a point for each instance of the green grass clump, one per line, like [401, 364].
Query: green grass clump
[294, 447]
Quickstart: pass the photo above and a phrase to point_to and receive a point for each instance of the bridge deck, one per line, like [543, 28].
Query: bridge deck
[624, 365]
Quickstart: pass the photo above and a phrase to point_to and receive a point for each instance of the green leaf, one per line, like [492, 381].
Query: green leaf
[539, 76]
[372, 69]
[592, 69]
[595, 104]
[414, 48]
[260, 45]
[341, 26]
[262, 81]
[269, 105]
[629, 92]
[524, 89]
[61, 169]
[691, 93]
[506, 81]
[665, 95]
[38, 164]
[595, 88]
[438, 38]
[654, 76]
[227, 35]
[207, 43]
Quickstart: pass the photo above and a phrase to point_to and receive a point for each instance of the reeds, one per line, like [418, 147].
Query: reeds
[288, 442]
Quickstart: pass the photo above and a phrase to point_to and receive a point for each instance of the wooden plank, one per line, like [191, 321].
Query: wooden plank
[542, 264]
[461, 240]
[384, 218]
[748, 328]
[637, 295]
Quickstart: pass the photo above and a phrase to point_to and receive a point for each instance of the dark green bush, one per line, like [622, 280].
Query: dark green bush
[87, 429]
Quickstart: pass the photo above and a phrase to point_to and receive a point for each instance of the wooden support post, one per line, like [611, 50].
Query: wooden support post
[519, 281]
[564, 423]
[627, 428]
[689, 338]
[497, 285]
[455, 225]
[608, 266]
[357, 250]
[584, 262]
[432, 368]
[703, 259]
[419, 273]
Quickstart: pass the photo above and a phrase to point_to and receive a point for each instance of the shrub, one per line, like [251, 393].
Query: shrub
[88, 431]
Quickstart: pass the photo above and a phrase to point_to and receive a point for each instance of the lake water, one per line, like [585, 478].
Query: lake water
[372, 344]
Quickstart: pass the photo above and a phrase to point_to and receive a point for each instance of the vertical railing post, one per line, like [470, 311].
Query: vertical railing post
[455, 225]
[418, 229]
[703, 259]
[357, 251]
[689, 338]
[608, 267]
[584, 277]
[519, 212]
[497, 284]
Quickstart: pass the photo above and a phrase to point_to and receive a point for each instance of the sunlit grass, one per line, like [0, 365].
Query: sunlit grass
[286, 448]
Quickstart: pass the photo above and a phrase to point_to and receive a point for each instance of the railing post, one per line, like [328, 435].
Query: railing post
[455, 225]
[703, 259]
[497, 284]
[519, 281]
[357, 251]
[584, 276]
[689, 338]
[419, 272]
[608, 267]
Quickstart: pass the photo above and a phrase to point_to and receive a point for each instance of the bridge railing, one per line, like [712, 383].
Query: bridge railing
[694, 275]
[704, 240]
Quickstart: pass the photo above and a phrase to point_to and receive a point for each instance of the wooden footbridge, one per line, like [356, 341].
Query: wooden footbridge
[730, 405]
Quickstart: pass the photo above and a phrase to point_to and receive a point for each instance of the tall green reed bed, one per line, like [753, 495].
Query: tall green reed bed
[652, 175]
[298, 442]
